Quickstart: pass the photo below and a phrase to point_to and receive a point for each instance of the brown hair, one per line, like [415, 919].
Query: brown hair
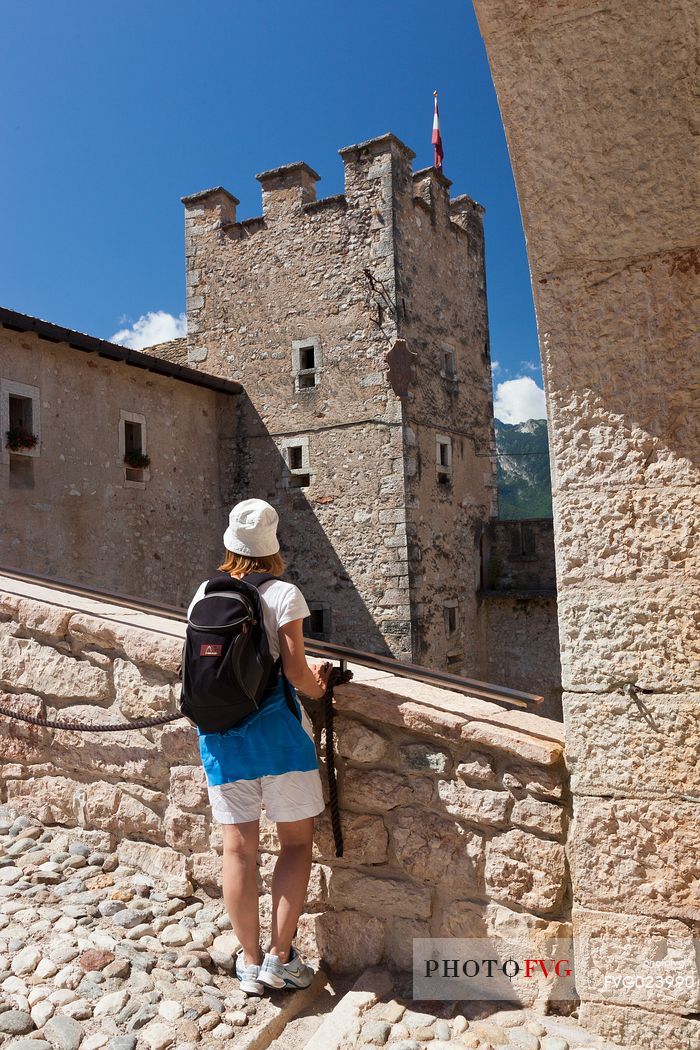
[240, 564]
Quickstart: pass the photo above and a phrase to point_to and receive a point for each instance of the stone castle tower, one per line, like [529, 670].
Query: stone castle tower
[358, 327]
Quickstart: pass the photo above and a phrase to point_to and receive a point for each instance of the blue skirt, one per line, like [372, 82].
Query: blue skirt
[268, 742]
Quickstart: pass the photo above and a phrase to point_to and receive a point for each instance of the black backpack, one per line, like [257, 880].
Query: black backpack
[227, 668]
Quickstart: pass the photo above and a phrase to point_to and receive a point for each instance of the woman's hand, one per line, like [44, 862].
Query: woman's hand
[311, 681]
[322, 672]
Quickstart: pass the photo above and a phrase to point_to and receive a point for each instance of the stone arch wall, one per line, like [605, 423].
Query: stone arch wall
[596, 100]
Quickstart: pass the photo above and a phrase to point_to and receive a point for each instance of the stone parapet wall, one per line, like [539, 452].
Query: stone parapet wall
[454, 811]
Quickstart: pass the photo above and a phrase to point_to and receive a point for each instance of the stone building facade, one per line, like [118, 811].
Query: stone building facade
[358, 325]
[71, 507]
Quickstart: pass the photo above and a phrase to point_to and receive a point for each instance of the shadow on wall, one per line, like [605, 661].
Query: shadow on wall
[338, 612]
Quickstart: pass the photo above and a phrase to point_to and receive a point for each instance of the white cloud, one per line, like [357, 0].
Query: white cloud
[157, 326]
[530, 366]
[519, 399]
[495, 367]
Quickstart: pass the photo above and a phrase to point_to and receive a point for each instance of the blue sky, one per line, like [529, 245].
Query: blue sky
[113, 111]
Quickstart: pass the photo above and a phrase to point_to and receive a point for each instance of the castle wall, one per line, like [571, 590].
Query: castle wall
[68, 508]
[598, 107]
[255, 291]
[441, 297]
[454, 811]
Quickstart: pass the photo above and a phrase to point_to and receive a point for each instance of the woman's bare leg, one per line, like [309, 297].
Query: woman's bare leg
[240, 886]
[290, 881]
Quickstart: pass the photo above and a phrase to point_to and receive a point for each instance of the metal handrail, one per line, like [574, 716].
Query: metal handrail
[323, 650]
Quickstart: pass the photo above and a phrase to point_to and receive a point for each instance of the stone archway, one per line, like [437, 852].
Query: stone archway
[596, 100]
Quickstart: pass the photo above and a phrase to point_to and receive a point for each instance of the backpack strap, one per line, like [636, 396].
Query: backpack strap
[256, 579]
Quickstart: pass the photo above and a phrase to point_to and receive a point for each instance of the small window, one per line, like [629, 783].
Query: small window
[21, 433]
[447, 370]
[296, 457]
[444, 460]
[450, 614]
[307, 358]
[318, 624]
[132, 449]
[306, 363]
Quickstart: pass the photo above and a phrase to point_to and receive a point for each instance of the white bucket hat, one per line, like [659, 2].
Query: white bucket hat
[252, 529]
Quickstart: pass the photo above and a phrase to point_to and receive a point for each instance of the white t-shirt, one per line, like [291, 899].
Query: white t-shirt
[281, 603]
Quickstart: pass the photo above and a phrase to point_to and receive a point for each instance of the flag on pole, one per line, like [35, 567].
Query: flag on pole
[438, 152]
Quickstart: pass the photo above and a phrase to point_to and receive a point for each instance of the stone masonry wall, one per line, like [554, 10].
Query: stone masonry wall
[441, 304]
[454, 811]
[599, 106]
[70, 511]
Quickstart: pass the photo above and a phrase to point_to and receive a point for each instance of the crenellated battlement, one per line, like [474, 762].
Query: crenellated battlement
[376, 168]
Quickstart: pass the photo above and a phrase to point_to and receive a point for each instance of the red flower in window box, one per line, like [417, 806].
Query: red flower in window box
[19, 439]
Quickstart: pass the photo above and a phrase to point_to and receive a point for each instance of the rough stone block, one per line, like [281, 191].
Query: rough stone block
[28, 665]
[348, 941]
[544, 783]
[136, 697]
[22, 742]
[126, 755]
[186, 832]
[528, 748]
[49, 799]
[138, 645]
[641, 535]
[605, 429]
[519, 935]
[188, 787]
[423, 758]
[206, 870]
[160, 862]
[179, 742]
[637, 855]
[478, 768]
[635, 961]
[438, 850]
[630, 634]
[50, 621]
[476, 805]
[398, 938]
[358, 742]
[525, 871]
[644, 747]
[106, 807]
[458, 918]
[631, 1026]
[365, 838]
[381, 790]
[535, 815]
[378, 896]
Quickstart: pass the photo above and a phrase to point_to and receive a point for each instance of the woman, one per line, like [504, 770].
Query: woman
[269, 759]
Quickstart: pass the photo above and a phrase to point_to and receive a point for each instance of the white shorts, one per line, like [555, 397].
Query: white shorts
[286, 796]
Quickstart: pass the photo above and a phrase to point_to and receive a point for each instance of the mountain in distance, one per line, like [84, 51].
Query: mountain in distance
[524, 483]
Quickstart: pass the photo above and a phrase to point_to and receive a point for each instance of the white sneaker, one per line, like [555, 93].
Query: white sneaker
[248, 976]
[293, 974]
